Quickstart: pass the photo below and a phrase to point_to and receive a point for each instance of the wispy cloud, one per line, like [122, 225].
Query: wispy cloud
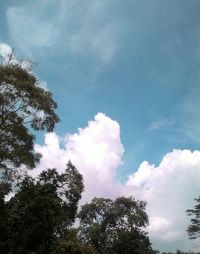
[32, 30]
[189, 110]
[161, 123]
[82, 28]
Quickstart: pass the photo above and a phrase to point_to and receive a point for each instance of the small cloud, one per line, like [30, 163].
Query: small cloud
[44, 85]
[160, 124]
[8, 56]
[5, 51]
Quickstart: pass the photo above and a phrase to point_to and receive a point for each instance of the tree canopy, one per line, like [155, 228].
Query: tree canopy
[24, 105]
[41, 212]
[115, 226]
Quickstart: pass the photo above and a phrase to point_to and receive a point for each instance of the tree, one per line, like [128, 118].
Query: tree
[193, 229]
[69, 244]
[24, 105]
[42, 211]
[115, 226]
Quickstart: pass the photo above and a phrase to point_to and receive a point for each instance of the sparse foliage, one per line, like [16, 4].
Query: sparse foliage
[24, 105]
[194, 228]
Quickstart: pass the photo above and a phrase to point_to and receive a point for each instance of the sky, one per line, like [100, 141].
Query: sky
[126, 77]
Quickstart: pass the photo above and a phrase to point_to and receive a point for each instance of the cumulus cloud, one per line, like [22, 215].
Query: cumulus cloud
[96, 150]
[169, 188]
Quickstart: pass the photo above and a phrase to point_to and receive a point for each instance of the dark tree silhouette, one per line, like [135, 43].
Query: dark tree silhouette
[115, 226]
[41, 212]
[194, 228]
[24, 105]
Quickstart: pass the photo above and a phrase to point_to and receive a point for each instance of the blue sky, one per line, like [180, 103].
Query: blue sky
[135, 61]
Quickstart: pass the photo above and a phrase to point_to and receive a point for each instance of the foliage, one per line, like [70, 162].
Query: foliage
[194, 228]
[42, 210]
[115, 226]
[24, 105]
[70, 245]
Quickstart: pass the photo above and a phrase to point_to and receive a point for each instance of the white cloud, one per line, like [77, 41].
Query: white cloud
[169, 188]
[162, 228]
[5, 51]
[96, 150]
[44, 85]
[142, 175]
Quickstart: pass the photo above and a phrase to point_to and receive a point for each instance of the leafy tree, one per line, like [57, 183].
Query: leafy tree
[24, 105]
[194, 228]
[69, 244]
[42, 210]
[115, 226]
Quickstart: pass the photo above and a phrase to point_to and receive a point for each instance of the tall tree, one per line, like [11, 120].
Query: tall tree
[194, 228]
[42, 211]
[115, 226]
[24, 105]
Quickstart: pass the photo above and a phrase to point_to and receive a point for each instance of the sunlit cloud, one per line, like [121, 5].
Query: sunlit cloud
[96, 150]
[5, 51]
[169, 188]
